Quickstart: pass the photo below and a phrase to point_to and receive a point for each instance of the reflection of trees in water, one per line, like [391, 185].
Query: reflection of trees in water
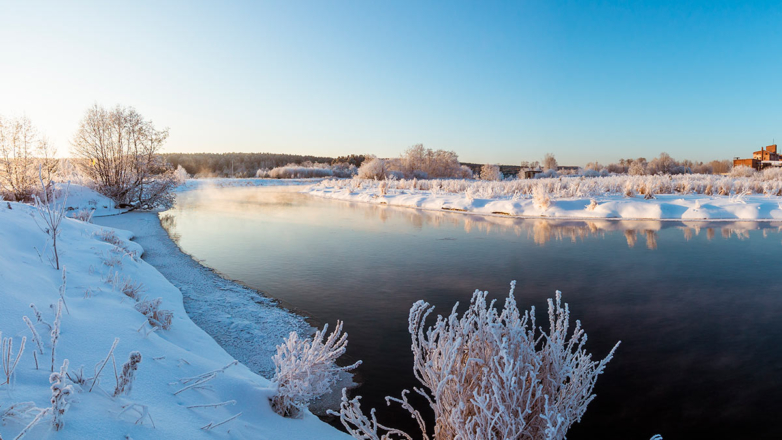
[168, 221]
[651, 239]
[541, 231]
[632, 237]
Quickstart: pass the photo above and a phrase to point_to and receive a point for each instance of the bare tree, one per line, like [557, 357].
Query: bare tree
[22, 152]
[550, 162]
[120, 152]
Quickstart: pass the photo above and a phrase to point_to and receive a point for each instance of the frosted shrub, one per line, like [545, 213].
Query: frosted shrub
[294, 171]
[306, 369]
[541, 197]
[491, 172]
[125, 379]
[156, 316]
[742, 171]
[493, 374]
[110, 237]
[181, 175]
[61, 393]
[578, 187]
[372, 168]
[84, 215]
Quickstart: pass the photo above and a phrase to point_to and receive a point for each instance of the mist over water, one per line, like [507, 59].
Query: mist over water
[696, 305]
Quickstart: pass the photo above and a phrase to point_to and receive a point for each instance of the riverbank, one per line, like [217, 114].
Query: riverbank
[662, 207]
[247, 325]
[101, 266]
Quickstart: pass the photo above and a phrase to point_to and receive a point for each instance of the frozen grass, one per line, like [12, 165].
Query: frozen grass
[768, 183]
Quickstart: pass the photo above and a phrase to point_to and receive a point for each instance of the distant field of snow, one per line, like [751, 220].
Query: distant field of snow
[97, 313]
[619, 197]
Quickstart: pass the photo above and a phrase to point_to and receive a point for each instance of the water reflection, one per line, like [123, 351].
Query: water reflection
[253, 202]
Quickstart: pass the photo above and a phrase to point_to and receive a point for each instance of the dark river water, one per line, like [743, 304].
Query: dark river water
[696, 306]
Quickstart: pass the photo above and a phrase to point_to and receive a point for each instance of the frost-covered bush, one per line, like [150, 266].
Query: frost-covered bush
[84, 215]
[742, 171]
[293, 171]
[541, 197]
[766, 183]
[372, 168]
[181, 174]
[157, 317]
[491, 172]
[493, 374]
[306, 369]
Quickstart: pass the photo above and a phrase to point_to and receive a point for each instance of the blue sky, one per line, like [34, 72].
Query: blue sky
[493, 81]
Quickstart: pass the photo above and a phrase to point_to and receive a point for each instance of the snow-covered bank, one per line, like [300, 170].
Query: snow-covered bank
[689, 207]
[247, 325]
[97, 313]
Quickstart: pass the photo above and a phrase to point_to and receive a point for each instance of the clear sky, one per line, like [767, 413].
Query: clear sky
[493, 81]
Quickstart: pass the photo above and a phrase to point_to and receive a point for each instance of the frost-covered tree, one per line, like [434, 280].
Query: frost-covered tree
[306, 369]
[119, 150]
[491, 172]
[23, 152]
[637, 168]
[550, 162]
[492, 374]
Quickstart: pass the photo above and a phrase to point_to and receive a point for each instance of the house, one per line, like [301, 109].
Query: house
[763, 158]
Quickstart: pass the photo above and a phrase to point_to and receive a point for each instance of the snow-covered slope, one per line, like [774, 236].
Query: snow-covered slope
[99, 313]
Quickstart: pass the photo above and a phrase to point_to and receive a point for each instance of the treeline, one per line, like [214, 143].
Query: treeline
[237, 164]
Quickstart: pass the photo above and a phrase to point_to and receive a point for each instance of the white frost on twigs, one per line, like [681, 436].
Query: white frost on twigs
[306, 369]
[493, 373]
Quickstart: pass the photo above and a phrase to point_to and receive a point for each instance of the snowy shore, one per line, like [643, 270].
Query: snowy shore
[98, 312]
[690, 207]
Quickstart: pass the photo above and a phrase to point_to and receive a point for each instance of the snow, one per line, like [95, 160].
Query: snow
[99, 314]
[690, 207]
